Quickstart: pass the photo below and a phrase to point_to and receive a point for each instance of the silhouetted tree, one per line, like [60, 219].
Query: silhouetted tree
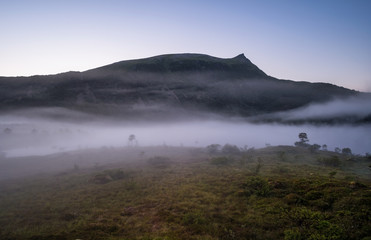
[132, 141]
[346, 151]
[303, 137]
[324, 147]
[303, 140]
[314, 148]
[213, 148]
[230, 149]
[337, 150]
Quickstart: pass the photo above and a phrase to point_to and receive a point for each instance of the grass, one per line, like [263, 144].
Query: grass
[271, 193]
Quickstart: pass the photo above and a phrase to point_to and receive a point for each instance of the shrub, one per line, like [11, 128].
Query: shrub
[282, 156]
[230, 149]
[213, 148]
[294, 199]
[220, 161]
[257, 186]
[314, 148]
[346, 151]
[301, 144]
[258, 166]
[313, 195]
[333, 161]
[293, 234]
[311, 225]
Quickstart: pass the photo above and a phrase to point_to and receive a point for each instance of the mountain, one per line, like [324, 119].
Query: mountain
[167, 85]
[187, 63]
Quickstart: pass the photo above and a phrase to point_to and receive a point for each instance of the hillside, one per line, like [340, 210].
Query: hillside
[163, 85]
[280, 192]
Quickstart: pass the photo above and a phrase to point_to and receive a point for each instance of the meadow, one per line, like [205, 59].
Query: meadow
[276, 192]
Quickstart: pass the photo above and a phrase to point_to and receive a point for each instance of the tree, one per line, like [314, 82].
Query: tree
[303, 140]
[346, 151]
[303, 137]
[314, 148]
[324, 147]
[337, 150]
[230, 149]
[213, 148]
[132, 141]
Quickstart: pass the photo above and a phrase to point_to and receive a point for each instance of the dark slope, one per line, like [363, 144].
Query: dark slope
[161, 84]
[186, 63]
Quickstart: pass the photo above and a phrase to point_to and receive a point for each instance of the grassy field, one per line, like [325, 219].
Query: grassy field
[190, 193]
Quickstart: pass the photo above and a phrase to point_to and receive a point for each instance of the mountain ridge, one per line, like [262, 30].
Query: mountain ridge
[186, 62]
[188, 82]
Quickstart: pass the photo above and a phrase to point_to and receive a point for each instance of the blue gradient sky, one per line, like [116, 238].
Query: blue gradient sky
[316, 40]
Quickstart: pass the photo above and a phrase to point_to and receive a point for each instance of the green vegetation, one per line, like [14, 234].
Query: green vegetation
[271, 193]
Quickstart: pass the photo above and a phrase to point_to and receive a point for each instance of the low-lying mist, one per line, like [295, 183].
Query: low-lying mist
[352, 109]
[26, 136]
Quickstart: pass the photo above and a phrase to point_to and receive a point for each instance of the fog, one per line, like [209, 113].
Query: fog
[22, 135]
[353, 107]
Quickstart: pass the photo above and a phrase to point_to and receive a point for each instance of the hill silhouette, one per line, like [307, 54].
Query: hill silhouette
[166, 84]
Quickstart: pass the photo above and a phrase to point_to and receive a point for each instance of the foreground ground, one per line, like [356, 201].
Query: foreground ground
[191, 193]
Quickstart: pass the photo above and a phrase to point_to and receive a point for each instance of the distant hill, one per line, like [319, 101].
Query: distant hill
[165, 86]
[187, 63]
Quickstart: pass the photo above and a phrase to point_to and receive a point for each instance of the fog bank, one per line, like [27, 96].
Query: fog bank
[22, 136]
[356, 108]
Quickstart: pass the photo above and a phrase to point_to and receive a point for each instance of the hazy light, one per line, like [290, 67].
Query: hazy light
[312, 41]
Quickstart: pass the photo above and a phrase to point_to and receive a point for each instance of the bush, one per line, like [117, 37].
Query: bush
[213, 148]
[294, 199]
[301, 144]
[311, 225]
[282, 156]
[346, 151]
[333, 161]
[220, 161]
[293, 234]
[230, 149]
[314, 148]
[257, 186]
[313, 195]
[258, 166]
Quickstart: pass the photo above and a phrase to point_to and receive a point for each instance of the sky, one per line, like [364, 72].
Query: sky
[314, 40]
